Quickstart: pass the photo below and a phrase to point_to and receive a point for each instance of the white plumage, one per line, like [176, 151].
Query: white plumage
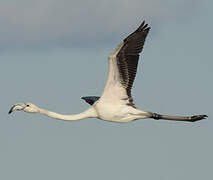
[116, 103]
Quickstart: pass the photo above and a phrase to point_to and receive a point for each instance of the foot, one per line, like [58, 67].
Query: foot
[197, 118]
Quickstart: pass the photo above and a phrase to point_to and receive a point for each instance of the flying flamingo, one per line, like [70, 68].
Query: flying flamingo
[116, 103]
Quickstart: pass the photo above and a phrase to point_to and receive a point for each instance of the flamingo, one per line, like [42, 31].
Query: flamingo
[116, 103]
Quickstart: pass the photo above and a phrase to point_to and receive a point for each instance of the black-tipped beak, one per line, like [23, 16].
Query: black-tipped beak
[17, 107]
[11, 110]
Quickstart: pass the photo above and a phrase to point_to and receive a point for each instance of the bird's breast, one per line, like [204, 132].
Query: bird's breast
[112, 112]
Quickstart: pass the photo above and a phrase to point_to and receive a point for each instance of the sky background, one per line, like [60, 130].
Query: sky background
[54, 52]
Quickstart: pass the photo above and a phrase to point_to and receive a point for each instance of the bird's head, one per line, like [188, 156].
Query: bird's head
[26, 107]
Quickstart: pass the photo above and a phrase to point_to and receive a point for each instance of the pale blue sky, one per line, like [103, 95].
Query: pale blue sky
[54, 52]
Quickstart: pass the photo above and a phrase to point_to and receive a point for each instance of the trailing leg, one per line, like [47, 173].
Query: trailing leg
[178, 118]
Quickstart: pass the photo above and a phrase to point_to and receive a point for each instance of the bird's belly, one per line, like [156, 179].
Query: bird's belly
[114, 113]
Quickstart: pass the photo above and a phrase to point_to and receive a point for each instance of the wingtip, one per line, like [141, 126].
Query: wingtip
[144, 26]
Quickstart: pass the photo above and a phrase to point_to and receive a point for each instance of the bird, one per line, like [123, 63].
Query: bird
[116, 103]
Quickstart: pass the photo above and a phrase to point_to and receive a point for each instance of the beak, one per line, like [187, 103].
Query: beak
[17, 107]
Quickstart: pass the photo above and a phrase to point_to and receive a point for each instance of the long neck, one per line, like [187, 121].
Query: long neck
[89, 113]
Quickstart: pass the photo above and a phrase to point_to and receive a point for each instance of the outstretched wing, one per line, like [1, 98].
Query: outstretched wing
[123, 62]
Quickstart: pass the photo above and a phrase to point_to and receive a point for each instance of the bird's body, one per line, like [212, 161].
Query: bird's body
[116, 112]
[116, 103]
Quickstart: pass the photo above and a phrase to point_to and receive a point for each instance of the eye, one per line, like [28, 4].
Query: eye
[28, 105]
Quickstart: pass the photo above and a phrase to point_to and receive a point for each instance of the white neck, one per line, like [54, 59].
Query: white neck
[89, 113]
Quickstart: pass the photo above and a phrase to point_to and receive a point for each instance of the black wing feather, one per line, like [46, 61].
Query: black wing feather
[128, 56]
